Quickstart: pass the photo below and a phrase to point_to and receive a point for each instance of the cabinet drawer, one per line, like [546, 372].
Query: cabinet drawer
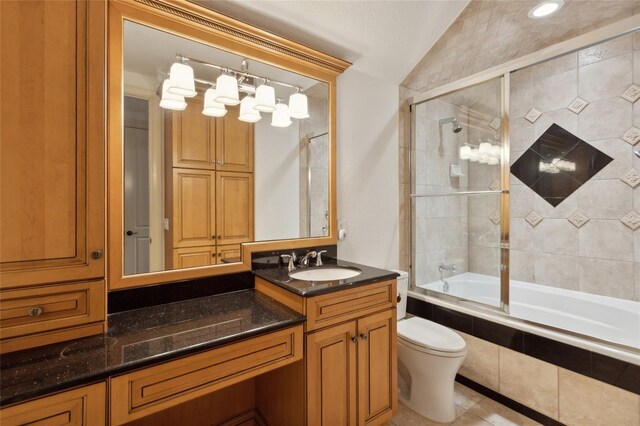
[333, 308]
[82, 406]
[146, 391]
[39, 309]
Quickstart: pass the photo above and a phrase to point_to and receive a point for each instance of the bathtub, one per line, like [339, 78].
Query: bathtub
[602, 324]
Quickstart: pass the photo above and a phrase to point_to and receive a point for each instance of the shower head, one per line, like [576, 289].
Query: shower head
[457, 128]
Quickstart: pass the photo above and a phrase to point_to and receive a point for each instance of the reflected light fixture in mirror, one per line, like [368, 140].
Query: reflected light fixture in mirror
[211, 107]
[247, 113]
[181, 80]
[265, 98]
[227, 87]
[280, 117]
[298, 107]
[171, 101]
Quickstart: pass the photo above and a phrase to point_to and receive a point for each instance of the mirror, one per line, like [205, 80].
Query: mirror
[196, 186]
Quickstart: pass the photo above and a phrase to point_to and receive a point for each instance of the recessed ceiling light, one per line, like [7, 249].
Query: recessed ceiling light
[545, 8]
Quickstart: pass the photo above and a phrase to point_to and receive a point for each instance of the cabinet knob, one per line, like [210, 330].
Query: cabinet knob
[35, 312]
[96, 254]
[219, 237]
[213, 237]
[363, 336]
[354, 339]
[219, 161]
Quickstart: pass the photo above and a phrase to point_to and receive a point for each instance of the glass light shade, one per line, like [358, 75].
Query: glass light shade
[493, 161]
[465, 152]
[265, 98]
[495, 151]
[474, 155]
[227, 88]
[280, 117]
[298, 107]
[484, 148]
[211, 107]
[247, 111]
[171, 101]
[181, 80]
[483, 159]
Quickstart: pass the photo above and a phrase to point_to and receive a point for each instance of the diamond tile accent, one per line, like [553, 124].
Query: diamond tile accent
[495, 217]
[632, 94]
[533, 218]
[557, 164]
[495, 123]
[577, 105]
[578, 218]
[495, 185]
[631, 178]
[632, 136]
[632, 220]
[532, 115]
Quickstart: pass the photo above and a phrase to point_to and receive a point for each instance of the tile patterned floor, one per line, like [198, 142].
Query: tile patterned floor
[472, 409]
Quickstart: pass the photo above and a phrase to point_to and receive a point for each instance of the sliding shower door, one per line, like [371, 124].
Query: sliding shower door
[456, 193]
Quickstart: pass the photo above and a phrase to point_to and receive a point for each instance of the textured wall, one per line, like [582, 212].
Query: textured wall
[600, 252]
[489, 33]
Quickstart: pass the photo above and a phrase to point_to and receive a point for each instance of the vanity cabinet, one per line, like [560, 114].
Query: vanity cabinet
[351, 373]
[234, 207]
[52, 139]
[85, 406]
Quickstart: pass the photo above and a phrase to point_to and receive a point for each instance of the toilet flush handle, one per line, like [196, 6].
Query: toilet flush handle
[399, 298]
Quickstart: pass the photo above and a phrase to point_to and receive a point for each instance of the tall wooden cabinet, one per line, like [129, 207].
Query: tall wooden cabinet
[209, 198]
[52, 187]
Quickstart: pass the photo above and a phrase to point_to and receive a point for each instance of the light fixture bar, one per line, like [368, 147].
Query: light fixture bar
[237, 72]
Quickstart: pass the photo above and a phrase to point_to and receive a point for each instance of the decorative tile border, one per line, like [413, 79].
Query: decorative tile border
[532, 115]
[631, 220]
[495, 217]
[632, 94]
[495, 185]
[621, 374]
[578, 218]
[533, 218]
[632, 136]
[631, 178]
[577, 105]
[495, 123]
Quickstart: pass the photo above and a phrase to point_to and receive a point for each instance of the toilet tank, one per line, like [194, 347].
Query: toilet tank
[403, 289]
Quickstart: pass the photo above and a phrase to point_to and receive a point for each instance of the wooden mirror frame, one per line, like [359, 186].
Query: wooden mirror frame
[194, 22]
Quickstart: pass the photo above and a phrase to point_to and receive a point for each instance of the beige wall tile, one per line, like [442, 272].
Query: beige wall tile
[556, 236]
[520, 200]
[605, 199]
[605, 119]
[622, 156]
[529, 381]
[585, 401]
[606, 239]
[605, 79]
[555, 91]
[561, 116]
[555, 66]
[482, 362]
[605, 50]
[607, 277]
[557, 271]
[521, 266]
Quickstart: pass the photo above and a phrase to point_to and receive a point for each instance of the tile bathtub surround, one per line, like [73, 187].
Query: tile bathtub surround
[587, 242]
[620, 374]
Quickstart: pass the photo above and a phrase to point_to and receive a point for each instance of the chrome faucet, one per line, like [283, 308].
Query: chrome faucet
[304, 262]
[319, 258]
[291, 259]
[441, 268]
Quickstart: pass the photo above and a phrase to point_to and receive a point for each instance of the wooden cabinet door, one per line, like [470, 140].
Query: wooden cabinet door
[331, 376]
[52, 141]
[194, 137]
[193, 208]
[377, 377]
[229, 253]
[193, 257]
[234, 147]
[78, 407]
[234, 207]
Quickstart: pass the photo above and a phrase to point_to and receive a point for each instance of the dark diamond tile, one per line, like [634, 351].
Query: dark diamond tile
[499, 334]
[450, 318]
[560, 354]
[557, 164]
[420, 308]
[616, 372]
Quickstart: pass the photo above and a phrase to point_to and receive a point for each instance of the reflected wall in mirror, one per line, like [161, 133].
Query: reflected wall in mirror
[196, 186]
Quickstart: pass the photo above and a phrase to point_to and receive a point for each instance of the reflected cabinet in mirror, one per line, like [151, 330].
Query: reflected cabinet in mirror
[217, 148]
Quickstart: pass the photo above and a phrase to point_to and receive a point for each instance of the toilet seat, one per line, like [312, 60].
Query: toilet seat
[429, 337]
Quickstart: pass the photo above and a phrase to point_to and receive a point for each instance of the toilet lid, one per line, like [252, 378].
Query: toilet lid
[430, 335]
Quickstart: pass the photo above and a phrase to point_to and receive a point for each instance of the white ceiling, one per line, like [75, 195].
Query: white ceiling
[383, 39]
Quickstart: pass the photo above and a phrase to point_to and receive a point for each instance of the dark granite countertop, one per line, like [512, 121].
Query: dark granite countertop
[279, 275]
[140, 338]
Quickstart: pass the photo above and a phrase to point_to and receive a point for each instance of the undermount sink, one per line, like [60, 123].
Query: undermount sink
[329, 273]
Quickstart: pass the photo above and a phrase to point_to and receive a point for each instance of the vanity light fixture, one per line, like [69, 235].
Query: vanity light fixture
[280, 117]
[181, 80]
[465, 152]
[211, 107]
[484, 148]
[265, 98]
[545, 8]
[227, 87]
[248, 112]
[226, 91]
[171, 101]
[298, 106]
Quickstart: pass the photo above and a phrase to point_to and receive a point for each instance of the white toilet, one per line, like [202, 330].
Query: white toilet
[429, 356]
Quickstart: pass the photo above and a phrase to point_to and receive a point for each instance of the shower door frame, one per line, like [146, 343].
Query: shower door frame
[601, 35]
